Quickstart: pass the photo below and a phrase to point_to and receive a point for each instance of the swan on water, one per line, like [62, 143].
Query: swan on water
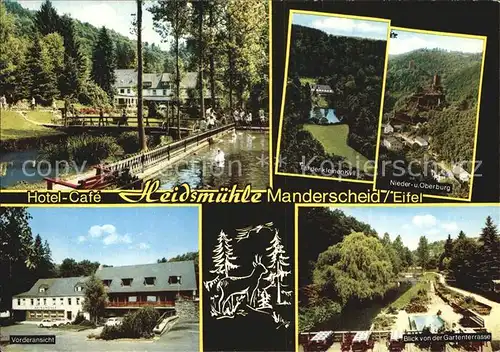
[219, 157]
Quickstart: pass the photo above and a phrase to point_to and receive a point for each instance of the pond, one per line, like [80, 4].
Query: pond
[21, 167]
[359, 316]
[329, 113]
[246, 161]
[18, 166]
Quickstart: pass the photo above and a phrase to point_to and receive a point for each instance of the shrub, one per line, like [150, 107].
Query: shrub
[140, 323]
[134, 325]
[78, 319]
[92, 94]
[129, 141]
[112, 332]
[92, 149]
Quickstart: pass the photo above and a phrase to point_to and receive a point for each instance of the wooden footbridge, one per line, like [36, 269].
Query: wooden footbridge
[135, 168]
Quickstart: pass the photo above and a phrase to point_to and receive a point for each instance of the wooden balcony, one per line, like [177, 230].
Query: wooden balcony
[140, 304]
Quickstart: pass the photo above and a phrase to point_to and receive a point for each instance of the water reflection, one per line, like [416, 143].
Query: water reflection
[245, 162]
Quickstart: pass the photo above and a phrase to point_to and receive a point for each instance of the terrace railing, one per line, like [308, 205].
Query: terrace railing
[140, 162]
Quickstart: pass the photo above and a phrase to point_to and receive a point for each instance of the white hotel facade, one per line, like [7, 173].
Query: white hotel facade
[60, 298]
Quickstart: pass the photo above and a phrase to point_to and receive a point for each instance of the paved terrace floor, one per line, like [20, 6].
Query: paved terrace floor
[184, 336]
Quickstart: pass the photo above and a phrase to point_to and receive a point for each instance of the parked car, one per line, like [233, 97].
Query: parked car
[49, 323]
[113, 321]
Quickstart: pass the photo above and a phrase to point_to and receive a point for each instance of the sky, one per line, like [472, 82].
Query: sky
[433, 222]
[408, 41]
[114, 14]
[343, 26]
[117, 236]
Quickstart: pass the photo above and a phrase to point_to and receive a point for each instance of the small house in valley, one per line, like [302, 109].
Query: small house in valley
[391, 143]
[388, 128]
[321, 89]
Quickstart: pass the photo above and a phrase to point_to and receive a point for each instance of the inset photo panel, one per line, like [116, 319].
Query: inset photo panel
[389, 278]
[431, 111]
[332, 96]
[100, 279]
[248, 299]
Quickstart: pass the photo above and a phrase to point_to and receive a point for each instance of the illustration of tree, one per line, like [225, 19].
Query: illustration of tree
[264, 300]
[278, 264]
[223, 255]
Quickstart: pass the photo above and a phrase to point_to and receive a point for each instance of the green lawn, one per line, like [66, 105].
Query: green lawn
[405, 298]
[310, 80]
[334, 140]
[14, 126]
[40, 116]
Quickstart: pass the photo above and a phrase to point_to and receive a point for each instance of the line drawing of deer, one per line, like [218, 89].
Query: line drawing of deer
[244, 285]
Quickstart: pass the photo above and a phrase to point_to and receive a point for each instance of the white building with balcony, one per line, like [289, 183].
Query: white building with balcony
[57, 298]
[156, 87]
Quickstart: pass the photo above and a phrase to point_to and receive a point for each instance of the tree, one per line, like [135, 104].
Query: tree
[489, 259]
[462, 264]
[104, 62]
[199, 16]
[95, 298]
[223, 255]
[125, 55]
[423, 252]
[264, 300]
[42, 259]
[278, 263]
[171, 21]
[356, 269]
[69, 268]
[41, 81]
[47, 19]
[246, 45]
[75, 71]
[447, 254]
[17, 254]
[140, 121]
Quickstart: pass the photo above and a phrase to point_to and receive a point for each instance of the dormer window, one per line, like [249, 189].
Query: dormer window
[78, 288]
[149, 281]
[43, 288]
[174, 280]
[126, 282]
[106, 283]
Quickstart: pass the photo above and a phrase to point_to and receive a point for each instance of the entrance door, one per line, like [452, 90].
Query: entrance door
[68, 315]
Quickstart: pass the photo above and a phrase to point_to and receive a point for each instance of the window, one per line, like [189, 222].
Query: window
[154, 91]
[53, 314]
[45, 301]
[78, 301]
[122, 90]
[164, 92]
[174, 280]
[32, 302]
[18, 301]
[32, 314]
[149, 281]
[69, 301]
[126, 282]
[53, 301]
[128, 90]
[41, 289]
[151, 298]
[61, 301]
[132, 298]
[78, 288]
[106, 283]
[38, 301]
[45, 314]
[38, 315]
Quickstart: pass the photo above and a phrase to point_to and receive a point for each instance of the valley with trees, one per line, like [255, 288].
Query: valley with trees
[58, 72]
[353, 278]
[341, 76]
[430, 117]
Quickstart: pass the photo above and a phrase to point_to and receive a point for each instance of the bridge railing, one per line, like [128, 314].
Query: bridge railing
[141, 161]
